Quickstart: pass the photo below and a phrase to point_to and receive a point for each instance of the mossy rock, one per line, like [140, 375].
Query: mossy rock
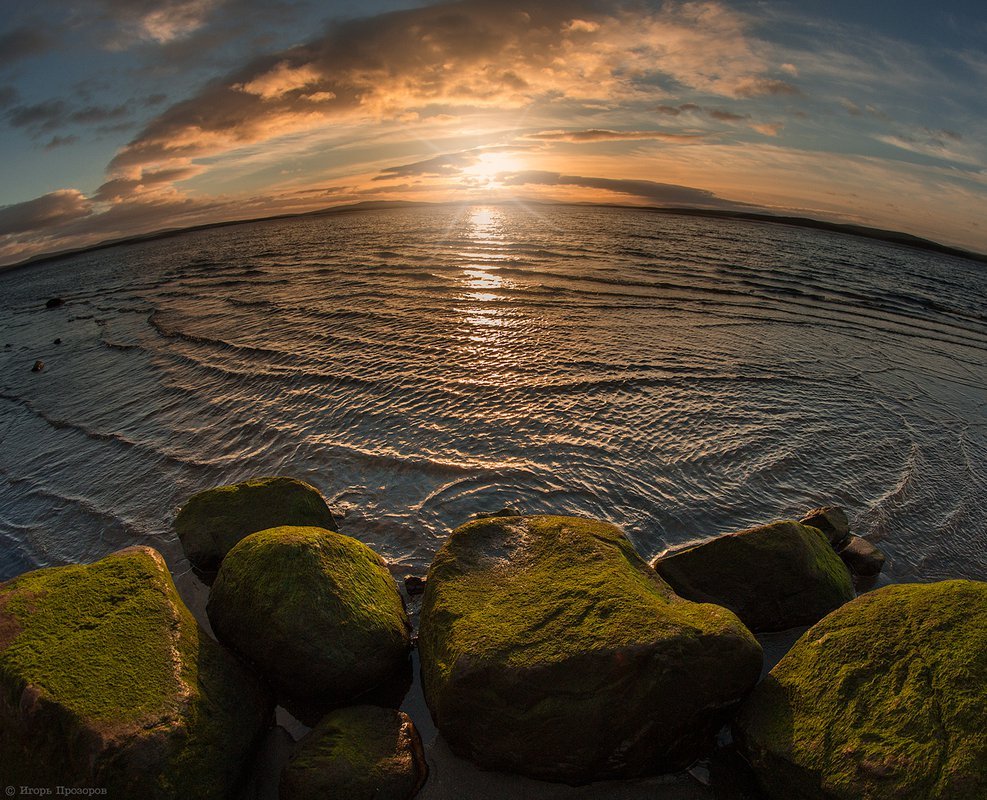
[213, 521]
[885, 699]
[106, 680]
[550, 649]
[357, 753]
[773, 577]
[317, 613]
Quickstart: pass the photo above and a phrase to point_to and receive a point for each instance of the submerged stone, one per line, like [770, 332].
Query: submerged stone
[106, 680]
[357, 753]
[861, 557]
[885, 699]
[550, 649]
[773, 576]
[213, 521]
[317, 613]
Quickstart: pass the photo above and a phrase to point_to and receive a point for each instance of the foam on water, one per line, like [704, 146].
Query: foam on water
[680, 377]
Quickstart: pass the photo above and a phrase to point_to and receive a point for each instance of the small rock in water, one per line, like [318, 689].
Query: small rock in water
[58, 341]
[861, 557]
[38, 366]
[831, 520]
[55, 302]
[506, 511]
[414, 585]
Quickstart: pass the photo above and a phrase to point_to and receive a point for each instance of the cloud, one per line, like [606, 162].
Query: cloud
[60, 141]
[757, 87]
[21, 43]
[8, 96]
[728, 116]
[721, 115]
[124, 188]
[446, 164]
[154, 21]
[50, 210]
[664, 193]
[466, 56]
[943, 144]
[50, 115]
[603, 135]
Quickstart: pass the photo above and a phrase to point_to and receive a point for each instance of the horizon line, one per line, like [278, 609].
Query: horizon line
[887, 236]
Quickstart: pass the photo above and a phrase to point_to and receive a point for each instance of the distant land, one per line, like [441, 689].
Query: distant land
[878, 234]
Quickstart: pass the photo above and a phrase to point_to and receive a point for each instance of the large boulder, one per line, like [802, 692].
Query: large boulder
[550, 649]
[773, 576]
[885, 699]
[106, 680]
[317, 612]
[357, 753]
[213, 521]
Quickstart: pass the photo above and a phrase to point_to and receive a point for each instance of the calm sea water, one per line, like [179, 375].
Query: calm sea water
[680, 377]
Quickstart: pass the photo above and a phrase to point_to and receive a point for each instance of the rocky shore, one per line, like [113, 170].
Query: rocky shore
[548, 648]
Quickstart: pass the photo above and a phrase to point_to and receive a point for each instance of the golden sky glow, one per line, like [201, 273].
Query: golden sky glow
[768, 107]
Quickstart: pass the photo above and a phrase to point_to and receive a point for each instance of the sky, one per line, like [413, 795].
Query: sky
[121, 117]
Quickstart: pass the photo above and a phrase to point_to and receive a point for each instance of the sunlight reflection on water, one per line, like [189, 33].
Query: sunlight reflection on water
[680, 377]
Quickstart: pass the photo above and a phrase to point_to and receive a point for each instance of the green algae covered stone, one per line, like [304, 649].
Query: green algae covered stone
[107, 681]
[549, 648]
[357, 753]
[884, 699]
[773, 576]
[213, 521]
[317, 613]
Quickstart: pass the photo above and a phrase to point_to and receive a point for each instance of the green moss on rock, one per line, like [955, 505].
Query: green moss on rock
[357, 753]
[549, 648]
[884, 699]
[213, 521]
[773, 576]
[316, 611]
[107, 680]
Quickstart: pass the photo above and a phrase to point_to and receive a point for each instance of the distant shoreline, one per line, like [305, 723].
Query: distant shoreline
[877, 234]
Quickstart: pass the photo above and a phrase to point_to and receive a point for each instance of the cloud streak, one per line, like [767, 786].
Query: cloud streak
[669, 194]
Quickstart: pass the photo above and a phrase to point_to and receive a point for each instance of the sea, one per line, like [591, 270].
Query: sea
[681, 377]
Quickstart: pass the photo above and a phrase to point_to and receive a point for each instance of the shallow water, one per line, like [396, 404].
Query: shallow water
[681, 377]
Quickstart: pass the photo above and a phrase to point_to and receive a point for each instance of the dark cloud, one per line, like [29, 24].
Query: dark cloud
[60, 141]
[50, 115]
[21, 43]
[154, 100]
[602, 135]
[727, 116]
[664, 193]
[41, 117]
[92, 115]
[47, 211]
[8, 96]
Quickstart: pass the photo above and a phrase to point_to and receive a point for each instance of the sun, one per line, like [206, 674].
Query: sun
[489, 168]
